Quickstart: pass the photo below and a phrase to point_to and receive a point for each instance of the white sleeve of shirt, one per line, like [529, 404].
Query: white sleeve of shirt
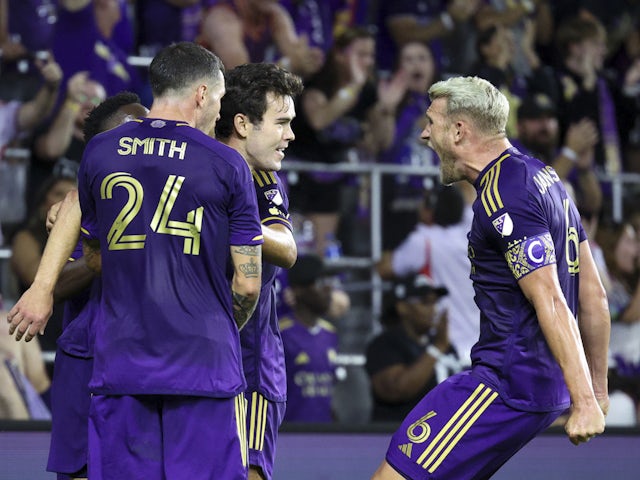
[411, 255]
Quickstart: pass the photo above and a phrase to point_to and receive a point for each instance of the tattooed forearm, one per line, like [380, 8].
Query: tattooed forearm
[250, 250]
[243, 308]
[250, 269]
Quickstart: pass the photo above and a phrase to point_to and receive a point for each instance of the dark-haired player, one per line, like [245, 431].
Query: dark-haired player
[255, 119]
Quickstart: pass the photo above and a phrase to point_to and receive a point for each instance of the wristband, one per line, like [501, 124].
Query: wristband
[72, 105]
[346, 93]
[569, 153]
[434, 352]
[446, 20]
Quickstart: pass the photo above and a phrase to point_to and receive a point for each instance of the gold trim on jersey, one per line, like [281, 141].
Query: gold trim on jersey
[280, 220]
[257, 421]
[490, 195]
[456, 427]
[264, 178]
[241, 425]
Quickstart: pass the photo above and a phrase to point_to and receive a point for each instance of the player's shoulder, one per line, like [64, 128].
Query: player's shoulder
[264, 179]
[326, 326]
[507, 180]
[286, 323]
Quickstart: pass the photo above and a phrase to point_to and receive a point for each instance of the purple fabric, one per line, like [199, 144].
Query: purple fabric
[177, 335]
[262, 349]
[78, 45]
[523, 220]
[310, 354]
[8, 122]
[462, 429]
[154, 437]
[70, 407]
[315, 19]
[33, 21]
[160, 24]
[425, 11]
[609, 129]
[263, 421]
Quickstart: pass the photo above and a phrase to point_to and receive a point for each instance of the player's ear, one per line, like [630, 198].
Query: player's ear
[241, 124]
[201, 94]
[459, 131]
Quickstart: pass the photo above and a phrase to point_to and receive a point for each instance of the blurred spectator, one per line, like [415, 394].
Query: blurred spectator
[428, 21]
[495, 46]
[318, 19]
[58, 147]
[94, 36]
[243, 31]
[310, 344]
[621, 248]
[529, 21]
[28, 244]
[439, 250]
[412, 355]
[19, 116]
[572, 159]
[580, 90]
[341, 109]
[163, 22]
[402, 194]
[23, 378]
[26, 27]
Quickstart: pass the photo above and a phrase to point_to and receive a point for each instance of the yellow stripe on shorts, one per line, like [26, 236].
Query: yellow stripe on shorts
[456, 427]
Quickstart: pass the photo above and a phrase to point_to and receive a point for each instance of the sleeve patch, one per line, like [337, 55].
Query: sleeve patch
[525, 256]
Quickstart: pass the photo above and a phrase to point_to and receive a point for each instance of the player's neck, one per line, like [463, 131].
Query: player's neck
[481, 153]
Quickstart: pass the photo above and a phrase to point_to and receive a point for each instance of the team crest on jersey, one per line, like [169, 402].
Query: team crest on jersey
[158, 123]
[274, 196]
[503, 224]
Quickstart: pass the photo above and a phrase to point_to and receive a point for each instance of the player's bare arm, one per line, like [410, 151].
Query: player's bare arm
[594, 321]
[247, 279]
[561, 332]
[279, 246]
[32, 311]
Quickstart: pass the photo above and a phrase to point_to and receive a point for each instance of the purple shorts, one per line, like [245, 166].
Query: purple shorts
[167, 436]
[263, 420]
[70, 399]
[462, 429]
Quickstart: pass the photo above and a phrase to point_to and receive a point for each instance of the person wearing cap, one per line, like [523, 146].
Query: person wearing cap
[407, 359]
[310, 343]
[571, 158]
[439, 250]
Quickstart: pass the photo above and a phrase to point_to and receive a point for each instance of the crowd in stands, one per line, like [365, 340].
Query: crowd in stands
[570, 70]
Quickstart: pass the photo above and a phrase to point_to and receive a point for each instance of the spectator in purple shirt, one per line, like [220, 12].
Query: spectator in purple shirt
[310, 344]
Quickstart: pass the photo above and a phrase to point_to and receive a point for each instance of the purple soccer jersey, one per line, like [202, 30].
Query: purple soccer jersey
[310, 358]
[523, 220]
[262, 350]
[166, 201]
[78, 45]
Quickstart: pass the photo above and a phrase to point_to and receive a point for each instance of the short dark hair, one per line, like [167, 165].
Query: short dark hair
[98, 118]
[576, 30]
[247, 87]
[182, 64]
